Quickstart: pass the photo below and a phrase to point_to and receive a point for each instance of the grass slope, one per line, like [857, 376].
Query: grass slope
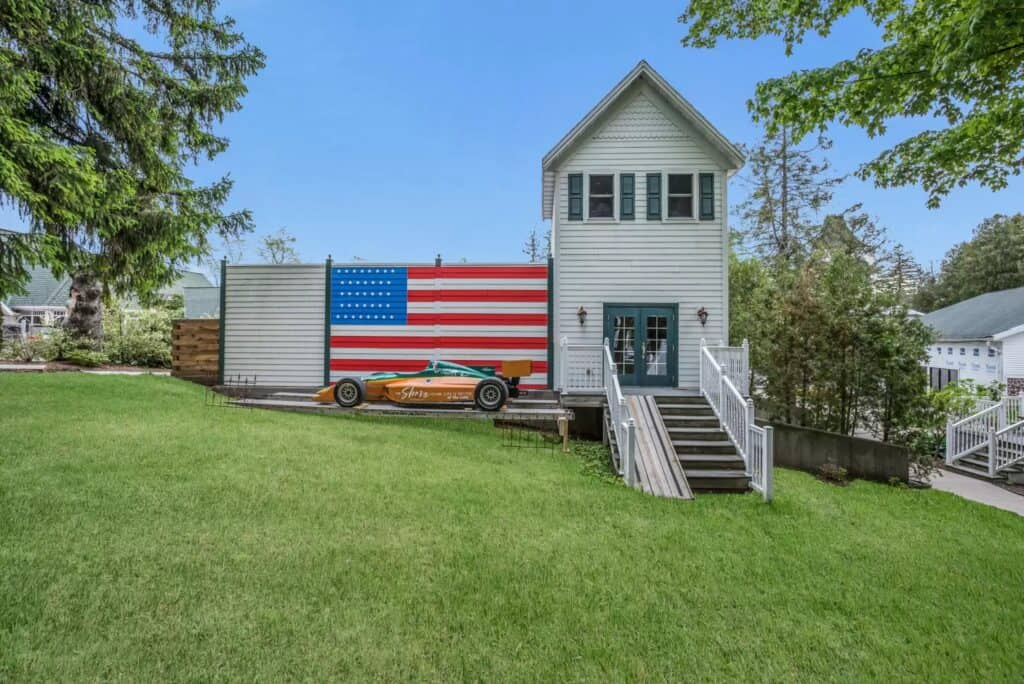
[147, 536]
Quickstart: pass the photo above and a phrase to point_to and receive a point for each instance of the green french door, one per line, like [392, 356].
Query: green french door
[644, 341]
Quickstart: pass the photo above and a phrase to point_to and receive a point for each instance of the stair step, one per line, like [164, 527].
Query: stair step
[690, 432]
[717, 480]
[686, 411]
[681, 401]
[712, 461]
[974, 471]
[701, 446]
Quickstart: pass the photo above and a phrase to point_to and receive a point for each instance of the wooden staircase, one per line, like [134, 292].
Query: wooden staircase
[705, 454]
[708, 458]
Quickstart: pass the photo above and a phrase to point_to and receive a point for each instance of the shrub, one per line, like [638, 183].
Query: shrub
[830, 472]
[140, 338]
[85, 357]
[24, 351]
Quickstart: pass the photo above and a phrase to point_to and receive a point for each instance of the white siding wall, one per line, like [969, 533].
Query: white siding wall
[274, 324]
[1013, 356]
[672, 261]
[982, 368]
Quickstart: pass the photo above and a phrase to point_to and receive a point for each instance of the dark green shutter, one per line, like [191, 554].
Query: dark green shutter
[627, 194]
[575, 196]
[707, 197]
[654, 195]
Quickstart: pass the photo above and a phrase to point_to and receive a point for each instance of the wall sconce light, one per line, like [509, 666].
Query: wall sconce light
[702, 316]
[581, 314]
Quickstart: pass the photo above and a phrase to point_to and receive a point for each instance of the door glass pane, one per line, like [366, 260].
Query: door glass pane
[623, 344]
[656, 352]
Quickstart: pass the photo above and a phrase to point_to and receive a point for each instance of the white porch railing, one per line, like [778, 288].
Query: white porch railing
[997, 430]
[736, 412]
[735, 362]
[582, 368]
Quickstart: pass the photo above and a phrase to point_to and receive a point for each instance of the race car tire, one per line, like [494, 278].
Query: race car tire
[490, 394]
[349, 392]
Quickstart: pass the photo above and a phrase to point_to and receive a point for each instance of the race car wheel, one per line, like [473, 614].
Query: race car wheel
[348, 392]
[490, 394]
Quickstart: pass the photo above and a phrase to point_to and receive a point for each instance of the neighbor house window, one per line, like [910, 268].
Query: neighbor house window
[949, 350]
[602, 196]
[977, 352]
[963, 352]
[991, 352]
[680, 195]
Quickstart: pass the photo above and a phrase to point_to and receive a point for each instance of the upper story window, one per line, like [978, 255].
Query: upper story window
[602, 195]
[991, 352]
[949, 350]
[977, 352]
[963, 352]
[680, 195]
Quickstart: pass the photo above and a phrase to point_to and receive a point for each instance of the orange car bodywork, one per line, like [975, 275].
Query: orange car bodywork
[413, 391]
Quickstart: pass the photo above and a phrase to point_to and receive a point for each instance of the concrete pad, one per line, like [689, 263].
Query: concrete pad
[978, 490]
[16, 367]
[127, 372]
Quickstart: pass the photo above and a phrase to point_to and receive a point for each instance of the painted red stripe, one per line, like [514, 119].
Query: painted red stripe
[519, 272]
[405, 365]
[431, 341]
[478, 295]
[475, 319]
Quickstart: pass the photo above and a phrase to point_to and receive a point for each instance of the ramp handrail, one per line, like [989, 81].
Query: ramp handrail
[736, 413]
[622, 421]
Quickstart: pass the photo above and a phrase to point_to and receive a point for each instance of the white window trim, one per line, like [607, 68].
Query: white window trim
[694, 212]
[614, 218]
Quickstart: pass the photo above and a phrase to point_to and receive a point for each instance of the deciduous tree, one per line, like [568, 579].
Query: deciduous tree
[959, 64]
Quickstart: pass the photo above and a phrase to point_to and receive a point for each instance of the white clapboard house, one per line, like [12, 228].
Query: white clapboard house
[636, 193]
[979, 339]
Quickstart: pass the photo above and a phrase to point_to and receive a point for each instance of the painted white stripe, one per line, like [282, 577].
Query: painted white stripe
[479, 284]
[421, 330]
[442, 353]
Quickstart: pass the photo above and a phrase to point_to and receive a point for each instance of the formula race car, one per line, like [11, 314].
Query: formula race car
[441, 382]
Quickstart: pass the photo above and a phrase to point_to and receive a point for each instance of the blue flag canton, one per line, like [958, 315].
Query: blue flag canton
[369, 295]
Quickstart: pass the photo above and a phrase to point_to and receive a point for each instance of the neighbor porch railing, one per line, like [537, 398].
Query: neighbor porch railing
[735, 411]
[995, 431]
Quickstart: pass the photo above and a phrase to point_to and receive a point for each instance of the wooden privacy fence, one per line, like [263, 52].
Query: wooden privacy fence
[195, 350]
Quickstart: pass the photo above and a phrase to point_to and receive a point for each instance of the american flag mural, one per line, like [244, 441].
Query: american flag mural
[398, 317]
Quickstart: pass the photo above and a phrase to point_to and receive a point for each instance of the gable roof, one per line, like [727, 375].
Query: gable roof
[642, 71]
[980, 317]
[42, 289]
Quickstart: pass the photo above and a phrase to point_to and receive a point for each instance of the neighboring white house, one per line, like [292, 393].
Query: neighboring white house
[636, 194]
[980, 339]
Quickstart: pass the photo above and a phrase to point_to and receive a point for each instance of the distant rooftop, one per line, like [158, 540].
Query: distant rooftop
[979, 317]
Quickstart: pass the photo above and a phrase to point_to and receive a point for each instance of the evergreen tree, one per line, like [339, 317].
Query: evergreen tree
[537, 248]
[97, 129]
[788, 185]
[902, 276]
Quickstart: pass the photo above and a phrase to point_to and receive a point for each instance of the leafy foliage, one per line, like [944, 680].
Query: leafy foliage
[140, 338]
[832, 350]
[98, 126]
[957, 62]
[279, 248]
[992, 260]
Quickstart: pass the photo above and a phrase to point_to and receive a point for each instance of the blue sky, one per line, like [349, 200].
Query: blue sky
[393, 131]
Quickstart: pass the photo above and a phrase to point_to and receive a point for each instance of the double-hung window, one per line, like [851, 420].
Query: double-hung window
[680, 195]
[602, 195]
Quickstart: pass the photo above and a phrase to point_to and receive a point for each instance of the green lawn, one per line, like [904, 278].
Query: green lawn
[144, 535]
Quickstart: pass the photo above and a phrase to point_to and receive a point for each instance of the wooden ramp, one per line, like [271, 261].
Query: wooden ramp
[657, 466]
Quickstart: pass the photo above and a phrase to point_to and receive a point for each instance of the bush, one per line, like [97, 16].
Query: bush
[830, 472]
[24, 351]
[85, 357]
[141, 338]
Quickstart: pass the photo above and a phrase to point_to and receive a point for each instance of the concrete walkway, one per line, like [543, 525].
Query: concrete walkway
[977, 490]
